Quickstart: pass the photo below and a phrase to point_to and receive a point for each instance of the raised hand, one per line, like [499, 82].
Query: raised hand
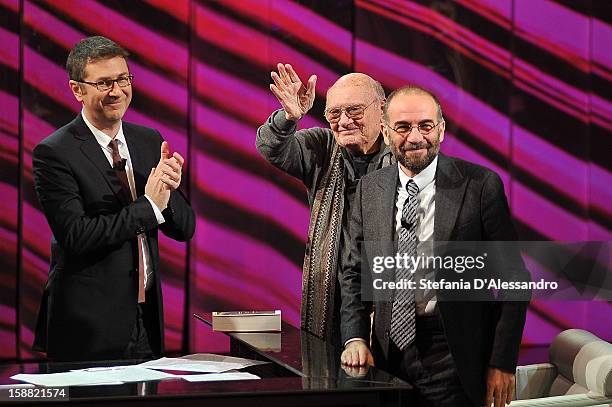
[295, 98]
[170, 167]
[165, 177]
[157, 190]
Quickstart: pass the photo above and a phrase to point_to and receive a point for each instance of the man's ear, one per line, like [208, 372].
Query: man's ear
[385, 133]
[77, 90]
[442, 128]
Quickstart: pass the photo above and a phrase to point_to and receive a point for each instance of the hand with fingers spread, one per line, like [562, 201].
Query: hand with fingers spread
[295, 98]
[500, 387]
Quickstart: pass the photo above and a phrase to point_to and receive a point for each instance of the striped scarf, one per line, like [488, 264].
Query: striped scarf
[321, 259]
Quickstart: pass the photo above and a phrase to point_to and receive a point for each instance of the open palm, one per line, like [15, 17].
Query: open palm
[295, 98]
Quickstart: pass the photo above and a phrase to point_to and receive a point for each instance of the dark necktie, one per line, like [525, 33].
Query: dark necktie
[119, 167]
[403, 328]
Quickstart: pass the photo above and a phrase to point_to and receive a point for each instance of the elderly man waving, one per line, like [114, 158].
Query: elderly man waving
[330, 162]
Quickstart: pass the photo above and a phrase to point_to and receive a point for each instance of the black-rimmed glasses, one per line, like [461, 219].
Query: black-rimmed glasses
[105, 84]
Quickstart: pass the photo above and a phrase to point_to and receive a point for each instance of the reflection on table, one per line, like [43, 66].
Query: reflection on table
[303, 371]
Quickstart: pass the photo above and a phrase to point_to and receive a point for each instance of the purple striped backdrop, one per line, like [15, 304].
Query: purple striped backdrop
[521, 95]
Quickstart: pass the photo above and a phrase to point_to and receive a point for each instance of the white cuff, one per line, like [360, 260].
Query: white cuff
[158, 214]
[353, 340]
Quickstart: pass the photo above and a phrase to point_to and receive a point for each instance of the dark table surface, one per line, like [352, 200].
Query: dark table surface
[302, 370]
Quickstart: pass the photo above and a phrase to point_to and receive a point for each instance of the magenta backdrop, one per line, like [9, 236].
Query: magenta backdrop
[526, 87]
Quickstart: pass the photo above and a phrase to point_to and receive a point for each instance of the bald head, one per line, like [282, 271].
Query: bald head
[411, 90]
[358, 80]
[359, 93]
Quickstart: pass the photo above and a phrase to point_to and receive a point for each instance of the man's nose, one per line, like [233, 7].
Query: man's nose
[115, 89]
[344, 120]
[414, 137]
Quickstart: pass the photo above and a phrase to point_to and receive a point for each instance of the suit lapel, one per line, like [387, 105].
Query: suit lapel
[384, 220]
[91, 149]
[385, 202]
[450, 188]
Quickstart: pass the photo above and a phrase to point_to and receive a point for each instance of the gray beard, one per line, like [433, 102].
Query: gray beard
[416, 166]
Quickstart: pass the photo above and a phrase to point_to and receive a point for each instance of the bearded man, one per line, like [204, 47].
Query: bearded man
[459, 353]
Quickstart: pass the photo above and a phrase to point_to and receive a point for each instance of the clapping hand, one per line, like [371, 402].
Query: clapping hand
[165, 177]
[170, 166]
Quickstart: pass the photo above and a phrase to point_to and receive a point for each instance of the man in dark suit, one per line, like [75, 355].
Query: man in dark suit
[106, 187]
[455, 352]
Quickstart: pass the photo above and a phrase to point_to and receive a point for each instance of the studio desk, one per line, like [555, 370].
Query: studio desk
[303, 371]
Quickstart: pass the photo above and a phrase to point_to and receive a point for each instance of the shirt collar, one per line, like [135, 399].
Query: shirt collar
[102, 138]
[423, 178]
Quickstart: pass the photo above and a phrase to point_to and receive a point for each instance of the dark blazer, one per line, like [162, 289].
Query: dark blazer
[470, 205]
[89, 304]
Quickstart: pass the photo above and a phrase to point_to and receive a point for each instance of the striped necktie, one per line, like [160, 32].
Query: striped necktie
[403, 329]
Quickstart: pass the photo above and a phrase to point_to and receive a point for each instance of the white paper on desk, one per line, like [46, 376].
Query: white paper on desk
[59, 379]
[201, 362]
[127, 374]
[214, 377]
[94, 376]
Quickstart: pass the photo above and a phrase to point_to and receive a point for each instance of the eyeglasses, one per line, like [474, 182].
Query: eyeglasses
[354, 112]
[106, 84]
[423, 128]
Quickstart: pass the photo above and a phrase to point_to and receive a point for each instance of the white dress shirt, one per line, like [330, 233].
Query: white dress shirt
[425, 180]
[104, 140]
[425, 299]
